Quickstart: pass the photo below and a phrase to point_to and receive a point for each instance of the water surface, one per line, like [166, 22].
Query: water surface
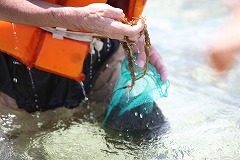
[202, 108]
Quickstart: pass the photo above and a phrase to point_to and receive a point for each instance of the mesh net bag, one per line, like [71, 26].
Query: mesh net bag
[136, 108]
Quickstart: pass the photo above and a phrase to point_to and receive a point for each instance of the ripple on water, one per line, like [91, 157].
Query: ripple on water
[202, 109]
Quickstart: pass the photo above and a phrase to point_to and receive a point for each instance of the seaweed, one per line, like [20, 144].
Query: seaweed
[128, 45]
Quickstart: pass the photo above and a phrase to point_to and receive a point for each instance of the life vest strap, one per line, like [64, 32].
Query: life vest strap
[60, 33]
[79, 36]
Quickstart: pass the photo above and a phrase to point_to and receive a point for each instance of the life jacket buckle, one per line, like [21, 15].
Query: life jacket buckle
[59, 36]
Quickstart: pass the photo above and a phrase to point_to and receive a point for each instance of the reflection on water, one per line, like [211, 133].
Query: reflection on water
[202, 108]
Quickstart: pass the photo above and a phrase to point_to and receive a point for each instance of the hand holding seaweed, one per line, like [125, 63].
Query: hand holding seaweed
[128, 45]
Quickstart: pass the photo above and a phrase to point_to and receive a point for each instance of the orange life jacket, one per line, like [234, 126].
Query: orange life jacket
[38, 48]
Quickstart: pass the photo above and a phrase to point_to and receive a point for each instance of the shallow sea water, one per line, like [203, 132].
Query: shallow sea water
[202, 108]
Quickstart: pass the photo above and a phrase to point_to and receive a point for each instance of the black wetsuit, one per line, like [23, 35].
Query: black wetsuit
[36, 90]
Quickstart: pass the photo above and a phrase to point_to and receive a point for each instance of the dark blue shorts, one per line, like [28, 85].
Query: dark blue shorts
[36, 90]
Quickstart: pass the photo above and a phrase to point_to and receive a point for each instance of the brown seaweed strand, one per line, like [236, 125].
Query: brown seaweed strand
[129, 53]
[127, 46]
[147, 47]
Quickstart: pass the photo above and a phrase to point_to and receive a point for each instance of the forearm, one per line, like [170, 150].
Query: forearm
[32, 12]
[99, 18]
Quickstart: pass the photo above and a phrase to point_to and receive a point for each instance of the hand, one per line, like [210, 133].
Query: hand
[225, 45]
[104, 20]
[154, 58]
[221, 61]
[99, 18]
[232, 4]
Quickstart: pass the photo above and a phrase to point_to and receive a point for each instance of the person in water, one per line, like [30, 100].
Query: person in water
[30, 88]
[225, 45]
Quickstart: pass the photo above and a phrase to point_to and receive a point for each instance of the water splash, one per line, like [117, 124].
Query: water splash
[99, 56]
[128, 96]
[15, 36]
[91, 68]
[33, 87]
[136, 114]
[30, 74]
[84, 92]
